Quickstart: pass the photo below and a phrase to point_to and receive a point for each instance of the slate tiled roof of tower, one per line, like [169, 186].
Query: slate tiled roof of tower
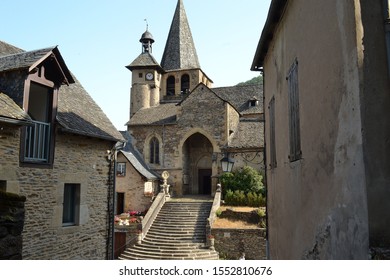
[180, 51]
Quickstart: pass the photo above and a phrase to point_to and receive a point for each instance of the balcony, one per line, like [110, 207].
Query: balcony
[37, 143]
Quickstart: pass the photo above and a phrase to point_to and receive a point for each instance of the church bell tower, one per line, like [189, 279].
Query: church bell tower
[146, 76]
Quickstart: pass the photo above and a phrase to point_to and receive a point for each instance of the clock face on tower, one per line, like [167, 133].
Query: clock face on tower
[149, 76]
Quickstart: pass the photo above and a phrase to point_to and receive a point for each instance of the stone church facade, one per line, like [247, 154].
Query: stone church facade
[181, 124]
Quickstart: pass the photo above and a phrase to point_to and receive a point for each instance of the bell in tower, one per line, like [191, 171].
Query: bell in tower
[147, 41]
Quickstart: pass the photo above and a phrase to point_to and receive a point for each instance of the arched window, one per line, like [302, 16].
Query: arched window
[154, 155]
[185, 84]
[171, 85]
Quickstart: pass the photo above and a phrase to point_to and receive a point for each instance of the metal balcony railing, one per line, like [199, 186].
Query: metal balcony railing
[37, 142]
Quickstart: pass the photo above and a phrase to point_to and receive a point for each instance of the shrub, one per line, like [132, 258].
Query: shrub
[247, 179]
[239, 198]
[229, 197]
[218, 212]
[261, 212]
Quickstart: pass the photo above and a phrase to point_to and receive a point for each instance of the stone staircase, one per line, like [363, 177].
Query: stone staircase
[177, 233]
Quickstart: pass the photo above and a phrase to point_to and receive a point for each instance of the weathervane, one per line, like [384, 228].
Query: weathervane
[147, 25]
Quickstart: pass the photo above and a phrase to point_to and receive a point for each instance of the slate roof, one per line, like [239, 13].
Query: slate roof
[11, 112]
[158, 115]
[22, 60]
[239, 97]
[6, 49]
[249, 135]
[136, 159]
[77, 111]
[180, 51]
[145, 59]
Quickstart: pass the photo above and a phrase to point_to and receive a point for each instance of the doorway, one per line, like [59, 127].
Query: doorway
[120, 203]
[204, 179]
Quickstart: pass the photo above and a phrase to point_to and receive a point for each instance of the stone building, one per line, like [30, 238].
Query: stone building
[326, 67]
[181, 124]
[53, 151]
[136, 184]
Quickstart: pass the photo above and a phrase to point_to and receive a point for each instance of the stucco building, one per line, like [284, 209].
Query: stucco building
[326, 71]
[181, 124]
[53, 151]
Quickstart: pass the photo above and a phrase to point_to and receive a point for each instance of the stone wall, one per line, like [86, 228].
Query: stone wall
[232, 243]
[11, 225]
[78, 160]
[133, 185]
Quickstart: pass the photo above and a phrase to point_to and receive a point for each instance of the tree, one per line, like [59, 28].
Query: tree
[254, 81]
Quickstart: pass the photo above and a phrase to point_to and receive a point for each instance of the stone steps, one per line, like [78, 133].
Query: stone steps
[177, 233]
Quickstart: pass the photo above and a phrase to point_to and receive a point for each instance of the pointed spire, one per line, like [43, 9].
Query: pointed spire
[180, 52]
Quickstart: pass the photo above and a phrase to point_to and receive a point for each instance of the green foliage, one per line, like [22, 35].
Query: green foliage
[254, 81]
[254, 199]
[218, 212]
[247, 179]
[239, 198]
[261, 212]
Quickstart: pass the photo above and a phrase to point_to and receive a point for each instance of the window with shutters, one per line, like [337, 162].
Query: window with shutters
[271, 108]
[293, 112]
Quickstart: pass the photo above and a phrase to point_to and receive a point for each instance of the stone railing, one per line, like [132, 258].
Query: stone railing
[154, 209]
[213, 215]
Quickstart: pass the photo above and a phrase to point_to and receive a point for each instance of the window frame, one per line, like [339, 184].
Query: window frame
[121, 172]
[38, 78]
[71, 205]
[154, 150]
[171, 85]
[185, 84]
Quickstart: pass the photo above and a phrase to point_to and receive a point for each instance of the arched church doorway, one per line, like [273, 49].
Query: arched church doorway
[197, 165]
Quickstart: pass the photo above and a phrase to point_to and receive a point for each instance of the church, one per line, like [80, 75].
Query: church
[181, 124]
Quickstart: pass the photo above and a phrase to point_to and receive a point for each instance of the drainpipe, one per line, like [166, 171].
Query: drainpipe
[386, 16]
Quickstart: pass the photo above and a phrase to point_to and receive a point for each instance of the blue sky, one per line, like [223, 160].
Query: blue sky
[98, 38]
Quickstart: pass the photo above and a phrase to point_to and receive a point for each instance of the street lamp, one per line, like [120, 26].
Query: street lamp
[227, 163]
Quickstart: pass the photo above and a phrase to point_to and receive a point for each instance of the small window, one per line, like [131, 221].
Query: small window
[253, 103]
[3, 186]
[71, 205]
[154, 151]
[185, 84]
[171, 85]
[293, 113]
[121, 169]
[140, 75]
